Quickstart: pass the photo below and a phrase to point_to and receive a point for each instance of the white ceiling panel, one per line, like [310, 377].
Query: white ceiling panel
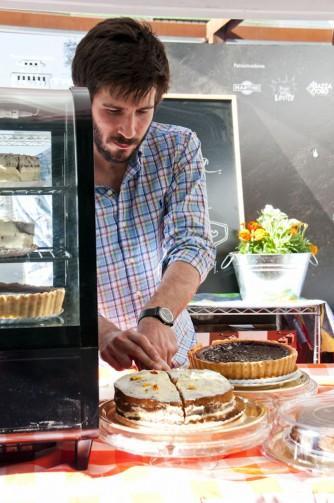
[237, 9]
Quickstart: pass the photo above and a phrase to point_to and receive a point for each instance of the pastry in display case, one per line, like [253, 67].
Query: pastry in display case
[48, 305]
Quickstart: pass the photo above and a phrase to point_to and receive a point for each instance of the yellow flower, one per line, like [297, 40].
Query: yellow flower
[244, 235]
[314, 249]
[294, 230]
[259, 234]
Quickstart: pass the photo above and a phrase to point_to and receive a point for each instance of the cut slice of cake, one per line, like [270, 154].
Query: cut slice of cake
[206, 395]
[148, 396]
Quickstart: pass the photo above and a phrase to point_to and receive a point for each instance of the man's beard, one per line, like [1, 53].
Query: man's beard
[105, 152]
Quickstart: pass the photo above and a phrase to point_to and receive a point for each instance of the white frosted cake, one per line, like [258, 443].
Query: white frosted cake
[15, 235]
[176, 397]
[19, 168]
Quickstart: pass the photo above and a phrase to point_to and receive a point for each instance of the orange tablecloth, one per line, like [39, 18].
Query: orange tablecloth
[114, 476]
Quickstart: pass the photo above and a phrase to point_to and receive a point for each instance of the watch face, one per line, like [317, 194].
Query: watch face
[166, 315]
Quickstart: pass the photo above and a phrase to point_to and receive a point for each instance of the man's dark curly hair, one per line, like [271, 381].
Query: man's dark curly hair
[123, 55]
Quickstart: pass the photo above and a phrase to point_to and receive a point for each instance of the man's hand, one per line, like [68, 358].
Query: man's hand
[161, 336]
[120, 348]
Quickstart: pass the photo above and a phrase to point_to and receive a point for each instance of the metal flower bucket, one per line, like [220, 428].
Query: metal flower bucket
[270, 277]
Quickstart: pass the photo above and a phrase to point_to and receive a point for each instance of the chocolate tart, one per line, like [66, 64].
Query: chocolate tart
[245, 359]
[28, 301]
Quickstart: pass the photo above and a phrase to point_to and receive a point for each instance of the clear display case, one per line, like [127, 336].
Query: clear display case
[303, 434]
[48, 306]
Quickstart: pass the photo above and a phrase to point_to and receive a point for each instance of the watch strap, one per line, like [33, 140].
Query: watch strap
[155, 312]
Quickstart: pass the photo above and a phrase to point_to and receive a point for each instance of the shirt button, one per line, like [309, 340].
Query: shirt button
[131, 260]
[138, 294]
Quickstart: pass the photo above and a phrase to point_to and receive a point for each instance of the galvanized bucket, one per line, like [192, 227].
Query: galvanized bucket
[270, 277]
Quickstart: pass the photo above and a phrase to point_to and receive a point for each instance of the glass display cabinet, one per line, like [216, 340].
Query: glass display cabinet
[48, 306]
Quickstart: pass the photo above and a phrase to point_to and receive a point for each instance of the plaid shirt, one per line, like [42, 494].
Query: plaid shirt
[159, 216]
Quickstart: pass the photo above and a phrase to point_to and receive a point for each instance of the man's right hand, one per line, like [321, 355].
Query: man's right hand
[120, 348]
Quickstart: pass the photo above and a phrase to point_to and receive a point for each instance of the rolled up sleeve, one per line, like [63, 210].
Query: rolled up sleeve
[186, 222]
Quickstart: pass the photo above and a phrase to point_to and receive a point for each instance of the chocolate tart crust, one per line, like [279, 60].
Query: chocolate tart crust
[246, 369]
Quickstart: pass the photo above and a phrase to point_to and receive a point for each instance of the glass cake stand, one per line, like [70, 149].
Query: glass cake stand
[303, 435]
[273, 394]
[248, 429]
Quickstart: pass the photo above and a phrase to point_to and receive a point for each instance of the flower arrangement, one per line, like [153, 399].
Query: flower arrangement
[274, 233]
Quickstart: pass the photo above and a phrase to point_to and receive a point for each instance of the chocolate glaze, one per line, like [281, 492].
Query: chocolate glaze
[238, 351]
[17, 288]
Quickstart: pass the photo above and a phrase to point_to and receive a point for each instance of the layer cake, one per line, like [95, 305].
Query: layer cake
[175, 397]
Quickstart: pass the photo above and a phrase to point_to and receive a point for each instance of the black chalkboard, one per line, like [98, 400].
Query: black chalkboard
[214, 119]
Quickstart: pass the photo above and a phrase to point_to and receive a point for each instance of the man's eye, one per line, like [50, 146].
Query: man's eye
[113, 111]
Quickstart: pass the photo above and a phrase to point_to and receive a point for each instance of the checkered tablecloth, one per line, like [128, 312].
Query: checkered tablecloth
[118, 477]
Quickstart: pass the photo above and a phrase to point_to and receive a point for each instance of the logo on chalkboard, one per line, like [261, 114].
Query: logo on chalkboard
[319, 88]
[283, 89]
[246, 87]
[249, 65]
[219, 232]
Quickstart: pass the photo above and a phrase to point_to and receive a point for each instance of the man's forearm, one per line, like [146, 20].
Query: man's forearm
[178, 285]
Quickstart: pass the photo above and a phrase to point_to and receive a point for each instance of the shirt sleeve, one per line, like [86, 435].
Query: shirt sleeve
[187, 234]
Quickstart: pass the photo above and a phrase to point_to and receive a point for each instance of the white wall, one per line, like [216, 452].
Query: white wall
[236, 9]
[37, 58]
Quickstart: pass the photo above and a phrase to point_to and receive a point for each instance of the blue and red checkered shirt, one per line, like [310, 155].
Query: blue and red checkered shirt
[159, 216]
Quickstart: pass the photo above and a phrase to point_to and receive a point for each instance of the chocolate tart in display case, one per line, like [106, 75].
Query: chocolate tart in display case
[303, 434]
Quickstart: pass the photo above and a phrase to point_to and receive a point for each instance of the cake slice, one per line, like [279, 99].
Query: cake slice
[148, 396]
[19, 168]
[206, 395]
[16, 235]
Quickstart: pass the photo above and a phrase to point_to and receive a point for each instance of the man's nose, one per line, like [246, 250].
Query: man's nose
[128, 127]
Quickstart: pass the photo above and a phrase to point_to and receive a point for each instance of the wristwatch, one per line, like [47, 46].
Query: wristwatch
[163, 314]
